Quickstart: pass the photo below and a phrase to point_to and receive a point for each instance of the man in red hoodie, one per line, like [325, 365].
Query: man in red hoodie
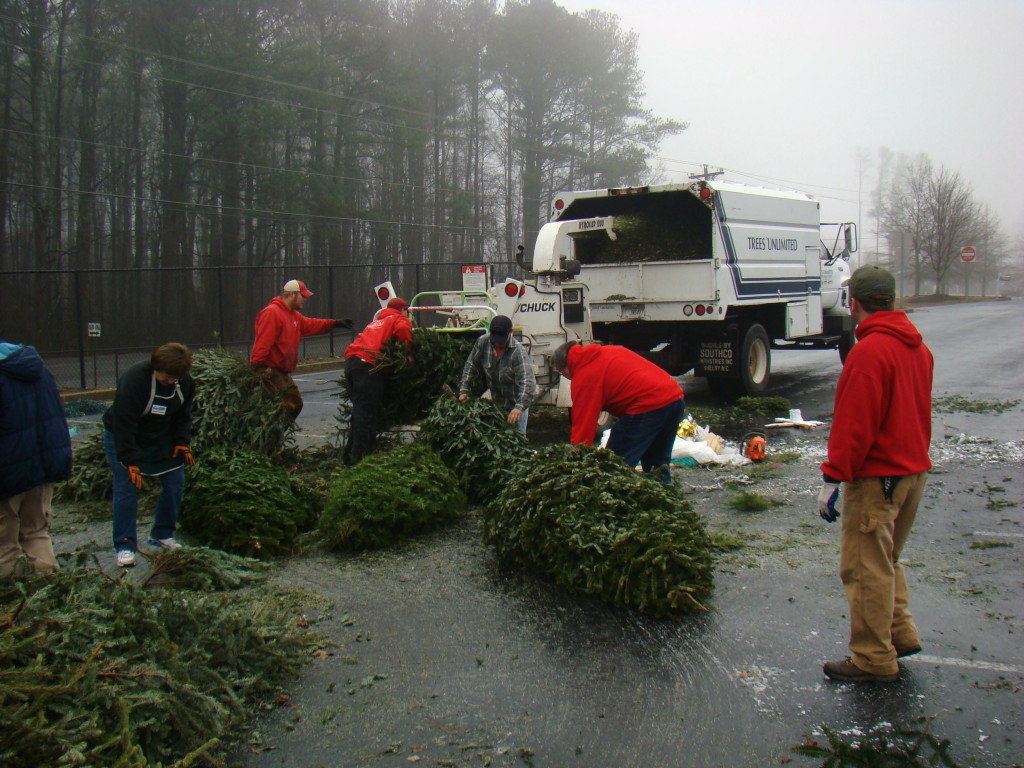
[878, 450]
[647, 401]
[363, 384]
[275, 352]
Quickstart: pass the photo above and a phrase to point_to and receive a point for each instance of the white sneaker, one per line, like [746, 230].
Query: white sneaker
[125, 558]
[168, 543]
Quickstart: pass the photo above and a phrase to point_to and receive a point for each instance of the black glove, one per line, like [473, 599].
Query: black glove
[346, 324]
[829, 506]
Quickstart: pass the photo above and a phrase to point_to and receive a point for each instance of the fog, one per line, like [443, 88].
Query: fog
[802, 93]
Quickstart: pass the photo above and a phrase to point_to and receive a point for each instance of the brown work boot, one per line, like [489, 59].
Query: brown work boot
[849, 672]
[910, 650]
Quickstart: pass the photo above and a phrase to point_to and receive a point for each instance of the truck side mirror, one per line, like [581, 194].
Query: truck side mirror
[850, 236]
[521, 258]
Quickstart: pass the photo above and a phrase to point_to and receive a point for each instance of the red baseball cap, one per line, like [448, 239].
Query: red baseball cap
[297, 285]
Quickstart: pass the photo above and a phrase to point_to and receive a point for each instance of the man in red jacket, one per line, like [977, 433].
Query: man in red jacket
[275, 352]
[363, 384]
[647, 401]
[878, 450]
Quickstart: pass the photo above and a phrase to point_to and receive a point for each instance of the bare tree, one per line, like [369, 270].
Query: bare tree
[953, 217]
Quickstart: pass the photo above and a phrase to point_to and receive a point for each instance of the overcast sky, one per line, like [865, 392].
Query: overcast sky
[785, 92]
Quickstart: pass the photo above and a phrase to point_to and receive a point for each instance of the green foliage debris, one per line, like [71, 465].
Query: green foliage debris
[746, 501]
[102, 672]
[989, 544]
[953, 403]
[477, 442]
[884, 745]
[74, 409]
[389, 496]
[242, 502]
[581, 516]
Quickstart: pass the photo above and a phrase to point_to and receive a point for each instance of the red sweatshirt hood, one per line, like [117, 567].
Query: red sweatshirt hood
[895, 324]
[581, 356]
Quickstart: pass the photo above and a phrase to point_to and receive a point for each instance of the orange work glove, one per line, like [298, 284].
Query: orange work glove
[185, 453]
[135, 476]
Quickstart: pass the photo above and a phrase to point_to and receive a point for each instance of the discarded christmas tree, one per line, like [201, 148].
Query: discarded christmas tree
[581, 516]
[390, 496]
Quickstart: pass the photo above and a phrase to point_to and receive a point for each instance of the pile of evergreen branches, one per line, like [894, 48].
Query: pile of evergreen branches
[477, 442]
[242, 502]
[233, 407]
[408, 391]
[102, 672]
[580, 515]
[389, 496]
[91, 479]
[644, 237]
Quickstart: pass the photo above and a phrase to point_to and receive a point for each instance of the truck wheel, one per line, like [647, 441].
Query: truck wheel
[754, 369]
[756, 360]
[846, 343]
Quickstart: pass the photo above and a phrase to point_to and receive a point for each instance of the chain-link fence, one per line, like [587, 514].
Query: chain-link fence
[90, 324]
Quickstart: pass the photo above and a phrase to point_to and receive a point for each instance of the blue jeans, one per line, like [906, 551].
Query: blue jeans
[126, 501]
[521, 425]
[647, 438]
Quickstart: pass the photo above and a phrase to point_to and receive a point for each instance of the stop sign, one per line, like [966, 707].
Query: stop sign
[967, 253]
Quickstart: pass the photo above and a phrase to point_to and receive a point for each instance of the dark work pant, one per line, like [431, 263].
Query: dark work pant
[647, 438]
[364, 391]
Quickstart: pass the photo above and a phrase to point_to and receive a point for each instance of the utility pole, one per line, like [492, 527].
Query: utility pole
[707, 175]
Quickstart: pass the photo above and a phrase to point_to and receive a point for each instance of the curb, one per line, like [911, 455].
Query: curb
[107, 393]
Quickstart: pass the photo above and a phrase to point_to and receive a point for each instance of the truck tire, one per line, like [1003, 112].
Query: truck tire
[755, 367]
[846, 342]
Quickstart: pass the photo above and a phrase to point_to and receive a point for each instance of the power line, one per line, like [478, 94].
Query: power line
[220, 209]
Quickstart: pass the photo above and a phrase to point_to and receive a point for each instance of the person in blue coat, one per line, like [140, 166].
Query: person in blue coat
[35, 453]
[147, 435]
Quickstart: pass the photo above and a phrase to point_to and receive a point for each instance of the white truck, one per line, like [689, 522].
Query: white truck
[706, 276]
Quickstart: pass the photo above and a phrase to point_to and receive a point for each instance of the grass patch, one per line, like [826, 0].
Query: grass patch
[753, 502]
[990, 544]
[955, 403]
[724, 541]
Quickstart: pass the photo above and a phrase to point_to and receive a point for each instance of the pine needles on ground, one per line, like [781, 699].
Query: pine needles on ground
[581, 516]
[884, 745]
[242, 502]
[205, 570]
[102, 672]
[389, 496]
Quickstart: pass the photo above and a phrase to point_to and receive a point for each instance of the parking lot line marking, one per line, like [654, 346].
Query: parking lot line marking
[966, 663]
[996, 533]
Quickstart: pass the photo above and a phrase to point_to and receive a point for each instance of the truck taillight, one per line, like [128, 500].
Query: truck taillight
[559, 204]
[705, 193]
[627, 191]
[383, 293]
[700, 310]
[514, 288]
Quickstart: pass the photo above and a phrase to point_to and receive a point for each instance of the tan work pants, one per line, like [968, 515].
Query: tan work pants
[279, 381]
[874, 531]
[25, 527]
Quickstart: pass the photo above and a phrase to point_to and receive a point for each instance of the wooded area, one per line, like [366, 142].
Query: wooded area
[927, 214]
[154, 134]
